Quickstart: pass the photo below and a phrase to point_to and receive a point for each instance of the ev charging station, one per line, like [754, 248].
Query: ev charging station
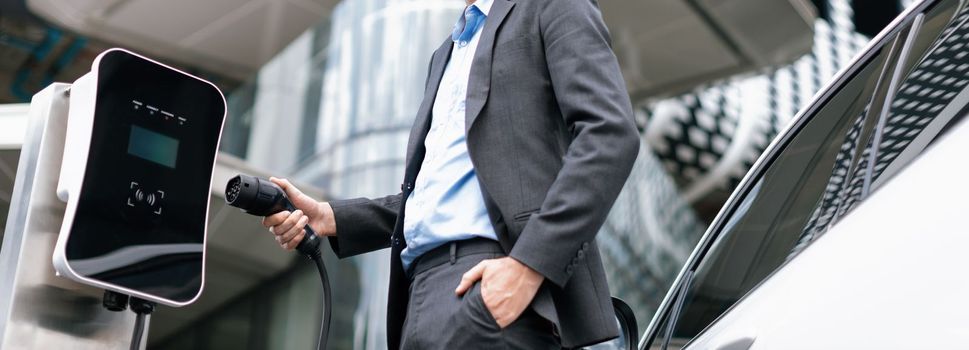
[110, 201]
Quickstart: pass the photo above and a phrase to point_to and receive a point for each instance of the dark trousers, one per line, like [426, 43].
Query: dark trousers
[439, 319]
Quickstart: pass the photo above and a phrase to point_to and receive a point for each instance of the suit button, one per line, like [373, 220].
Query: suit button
[569, 269]
[581, 254]
[585, 245]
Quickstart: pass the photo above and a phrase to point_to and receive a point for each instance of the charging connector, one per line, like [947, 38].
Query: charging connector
[261, 197]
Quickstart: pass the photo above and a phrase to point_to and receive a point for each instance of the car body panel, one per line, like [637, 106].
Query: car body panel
[888, 276]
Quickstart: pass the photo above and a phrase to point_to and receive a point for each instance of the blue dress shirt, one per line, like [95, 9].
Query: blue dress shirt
[446, 204]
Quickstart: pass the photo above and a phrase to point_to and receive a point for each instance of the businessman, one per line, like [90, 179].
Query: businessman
[518, 151]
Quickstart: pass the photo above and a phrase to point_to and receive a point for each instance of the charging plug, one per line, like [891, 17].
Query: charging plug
[261, 197]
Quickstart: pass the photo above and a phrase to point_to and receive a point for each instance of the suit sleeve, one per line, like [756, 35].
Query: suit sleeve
[592, 97]
[363, 225]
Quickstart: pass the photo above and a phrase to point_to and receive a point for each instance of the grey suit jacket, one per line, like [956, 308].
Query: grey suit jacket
[550, 133]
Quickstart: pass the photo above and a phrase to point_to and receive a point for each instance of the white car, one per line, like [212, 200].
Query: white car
[852, 230]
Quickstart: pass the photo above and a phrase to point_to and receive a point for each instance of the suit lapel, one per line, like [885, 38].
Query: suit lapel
[479, 83]
[415, 144]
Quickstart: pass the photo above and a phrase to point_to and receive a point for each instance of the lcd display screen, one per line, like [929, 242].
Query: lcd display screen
[150, 145]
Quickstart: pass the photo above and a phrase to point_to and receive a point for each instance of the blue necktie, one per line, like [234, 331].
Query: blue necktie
[467, 25]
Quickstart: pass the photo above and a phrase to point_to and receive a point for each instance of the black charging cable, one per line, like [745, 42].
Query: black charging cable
[117, 302]
[141, 308]
[261, 197]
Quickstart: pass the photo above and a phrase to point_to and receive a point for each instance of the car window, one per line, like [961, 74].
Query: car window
[849, 147]
[932, 95]
[760, 237]
[919, 94]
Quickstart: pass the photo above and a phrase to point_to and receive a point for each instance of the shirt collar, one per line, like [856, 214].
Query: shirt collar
[483, 5]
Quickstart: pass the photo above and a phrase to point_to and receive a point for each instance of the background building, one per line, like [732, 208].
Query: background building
[324, 92]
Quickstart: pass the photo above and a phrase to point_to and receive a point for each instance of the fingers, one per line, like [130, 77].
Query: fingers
[296, 196]
[289, 223]
[275, 219]
[285, 185]
[287, 227]
[295, 241]
[468, 279]
[284, 237]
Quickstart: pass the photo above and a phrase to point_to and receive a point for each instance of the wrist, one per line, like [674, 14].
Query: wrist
[530, 275]
[327, 221]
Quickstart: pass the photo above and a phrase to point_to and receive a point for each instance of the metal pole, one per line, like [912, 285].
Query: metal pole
[39, 310]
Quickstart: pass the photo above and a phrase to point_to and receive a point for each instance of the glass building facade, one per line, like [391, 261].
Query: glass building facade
[334, 109]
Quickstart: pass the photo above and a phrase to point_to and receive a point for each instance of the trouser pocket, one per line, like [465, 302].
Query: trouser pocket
[478, 307]
[473, 326]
